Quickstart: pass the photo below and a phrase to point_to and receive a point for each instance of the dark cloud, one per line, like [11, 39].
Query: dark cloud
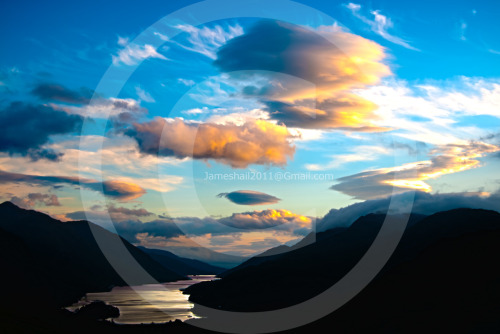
[156, 228]
[129, 228]
[55, 92]
[129, 212]
[33, 199]
[272, 46]
[119, 190]
[249, 197]
[26, 128]
[419, 202]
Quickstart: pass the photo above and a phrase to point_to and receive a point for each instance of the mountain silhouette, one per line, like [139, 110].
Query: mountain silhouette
[443, 276]
[461, 246]
[57, 262]
[180, 265]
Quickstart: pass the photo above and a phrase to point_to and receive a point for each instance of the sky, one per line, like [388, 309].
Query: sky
[178, 126]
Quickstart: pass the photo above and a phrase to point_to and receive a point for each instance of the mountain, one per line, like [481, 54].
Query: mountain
[290, 278]
[55, 262]
[274, 253]
[207, 255]
[181, 265]
[451, 286]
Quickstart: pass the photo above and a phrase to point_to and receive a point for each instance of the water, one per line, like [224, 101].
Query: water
[148, 303]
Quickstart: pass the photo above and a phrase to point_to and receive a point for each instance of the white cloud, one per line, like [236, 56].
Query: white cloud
[103, 108]
[462, 28]
[207, 40]
[143, 95]
[186, 82]
[122, 41]
[132, 54]
[360, 153]
[161, 36]
[196, 111]
[380, 24]
[429, 113]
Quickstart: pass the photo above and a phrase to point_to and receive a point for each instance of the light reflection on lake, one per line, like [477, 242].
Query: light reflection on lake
[148, 303]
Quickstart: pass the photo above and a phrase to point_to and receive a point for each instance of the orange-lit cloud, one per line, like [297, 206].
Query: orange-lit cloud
[446, 159]
[254, 142]
[119, 190]
[327, 64]
[267, 219]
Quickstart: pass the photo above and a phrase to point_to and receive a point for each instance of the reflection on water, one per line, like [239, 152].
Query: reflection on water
[148, 303]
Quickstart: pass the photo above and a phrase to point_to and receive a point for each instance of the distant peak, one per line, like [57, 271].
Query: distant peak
[9, 204]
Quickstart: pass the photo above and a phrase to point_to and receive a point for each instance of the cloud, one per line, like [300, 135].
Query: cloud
[118, 109]
[127, 223]
[249, 197]
[279, 219]
[33, 199]
[119, 190]
[446, 159]
[422, 203]
[360, 153]
[26, 128]
[107, 157]
[207, 40]
[308, 74]
[55, 92]
[255, 142]
[143, 95]
[462, 28]
[449, 108]
[133, 54]
[100, 216]
[379, 25]
[129, 212]
[186, 82]
[157, 228]
[282, 221]
[79, 103]
[196, 111]
[343, 113]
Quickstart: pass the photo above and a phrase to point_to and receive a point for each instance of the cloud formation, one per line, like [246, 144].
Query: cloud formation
[327, 63]
[127, 223]
[255, 142]
[270, 218]
[249, 197]
[119, 190]
[55, 92]
[26, 128]
[133, 54]
[157, 228]
[207, 40]
[118, 109]
[380, 24]
[421, 203]
[33, 199]
[446, 159]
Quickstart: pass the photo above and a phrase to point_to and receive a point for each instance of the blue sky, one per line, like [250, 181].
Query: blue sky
[386, 97]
